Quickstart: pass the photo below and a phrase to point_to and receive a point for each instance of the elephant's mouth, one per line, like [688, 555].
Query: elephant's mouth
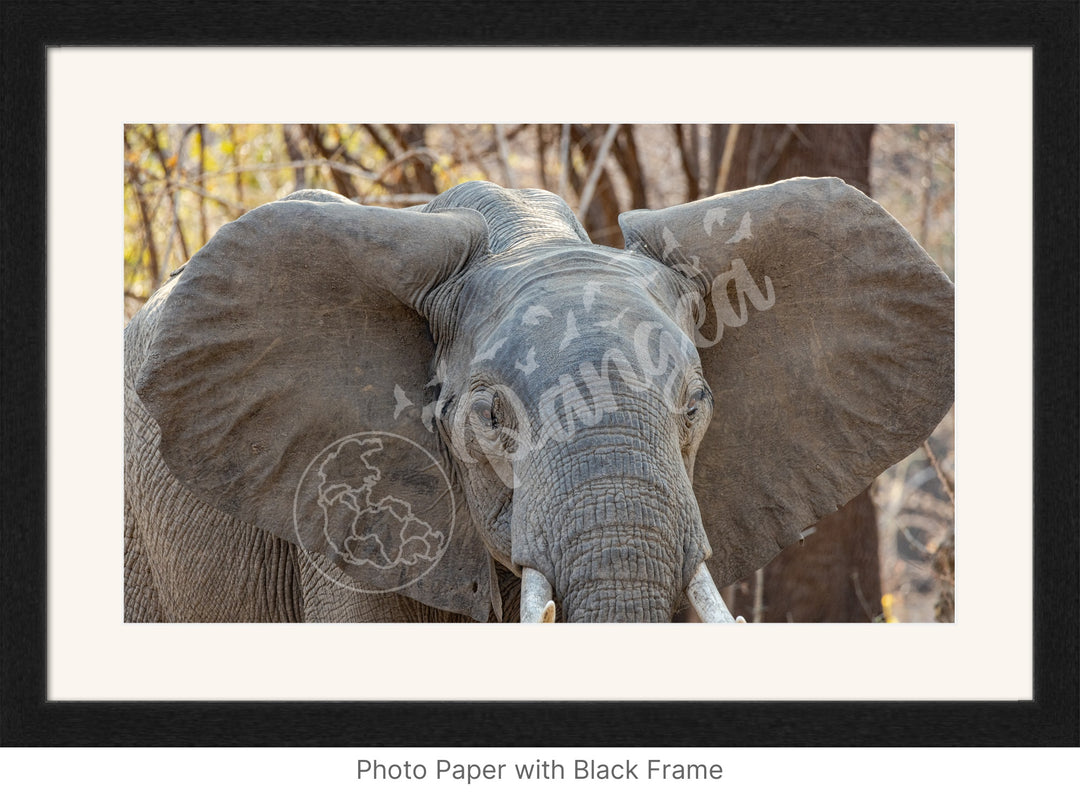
[538, 606]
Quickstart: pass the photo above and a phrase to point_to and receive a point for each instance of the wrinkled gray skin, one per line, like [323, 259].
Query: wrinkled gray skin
[608, 515]
[570, 402]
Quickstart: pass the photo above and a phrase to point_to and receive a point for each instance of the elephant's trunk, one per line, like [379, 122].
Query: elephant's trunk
[611, 601]
[619, 552]
[537, 606]
[612, 525]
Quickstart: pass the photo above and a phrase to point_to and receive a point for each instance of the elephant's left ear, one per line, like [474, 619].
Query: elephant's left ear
[826, 334]
[287, 369]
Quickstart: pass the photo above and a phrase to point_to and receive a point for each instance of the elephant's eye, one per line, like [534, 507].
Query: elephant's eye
[487, 409]
[697, 400]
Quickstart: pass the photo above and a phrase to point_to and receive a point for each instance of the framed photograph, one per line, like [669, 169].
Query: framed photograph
[390, 429]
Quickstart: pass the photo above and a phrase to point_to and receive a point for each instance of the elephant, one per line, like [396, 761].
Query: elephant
[467, 411]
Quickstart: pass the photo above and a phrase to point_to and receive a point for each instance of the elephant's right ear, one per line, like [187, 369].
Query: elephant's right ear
[827, 339]
[293, 328]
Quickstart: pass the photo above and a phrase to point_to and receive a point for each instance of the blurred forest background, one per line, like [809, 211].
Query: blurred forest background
[182, 182]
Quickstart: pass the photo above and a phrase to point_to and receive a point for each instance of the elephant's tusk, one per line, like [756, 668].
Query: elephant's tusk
[706, 599]
[537, 606]
[548, 616]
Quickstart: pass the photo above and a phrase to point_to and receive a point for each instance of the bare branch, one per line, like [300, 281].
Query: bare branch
[598, 168]
[927, 187]
[861, 596]
[411, 137]
[380, 140]
[778, 150]
[461, 142]
[512, 134]
[232, 206]
[759, 595]
[695, 159]
[688, 157]
[712, 165]
[200, 178]
[799, 135]
[238, 183]
[946, 482]
[504, 155]
[293, 135]
[342, 179]
[913, 541]
[751, 167]
[700, 180]
[265, 168]
[564, 160]
[541, 154]
[725, 160]
[399, 135]
[144, 217]
[408, 156]
[626, 154]
[168, 176]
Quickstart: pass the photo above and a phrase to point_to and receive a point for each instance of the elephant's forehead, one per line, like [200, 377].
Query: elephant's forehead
[576, 306]
[569, 266]
[591, 279]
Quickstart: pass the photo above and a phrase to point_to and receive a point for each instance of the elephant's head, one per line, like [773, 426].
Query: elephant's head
[615, 426]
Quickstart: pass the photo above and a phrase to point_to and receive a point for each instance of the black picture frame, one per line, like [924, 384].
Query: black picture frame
[28, 718]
